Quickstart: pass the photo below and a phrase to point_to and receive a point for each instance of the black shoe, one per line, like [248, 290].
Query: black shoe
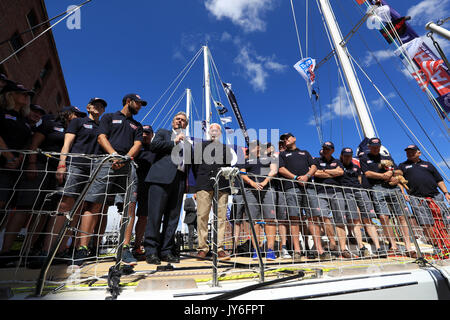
[152, 259]
[81, 255]
[310, 254]
[170, 258]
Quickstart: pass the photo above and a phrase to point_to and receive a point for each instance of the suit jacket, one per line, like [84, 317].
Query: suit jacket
[191, 212]
[163, 169]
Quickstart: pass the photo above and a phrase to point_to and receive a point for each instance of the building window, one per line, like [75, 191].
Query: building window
[45, 71]
[32, 20]
[16, 41]
[37, 86]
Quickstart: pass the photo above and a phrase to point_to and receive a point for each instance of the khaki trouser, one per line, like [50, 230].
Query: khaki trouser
[204, 204]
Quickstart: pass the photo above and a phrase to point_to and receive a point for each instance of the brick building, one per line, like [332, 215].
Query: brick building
[37, 66]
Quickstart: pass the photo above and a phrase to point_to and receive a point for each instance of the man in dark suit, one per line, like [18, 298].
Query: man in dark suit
[190, 218]
[167, 179]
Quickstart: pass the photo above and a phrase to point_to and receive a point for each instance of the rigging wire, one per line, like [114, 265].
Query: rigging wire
[214, 68]
[409, 61]
[68, 13]
[419, 96]
[167, 116]
[296, 30]
[399, 117]
[401, 97]
[340, 72]
[173, 92]
[191, 62]
[40, 24]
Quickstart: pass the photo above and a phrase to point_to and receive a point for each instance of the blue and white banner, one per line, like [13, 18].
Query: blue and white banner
[306, 69]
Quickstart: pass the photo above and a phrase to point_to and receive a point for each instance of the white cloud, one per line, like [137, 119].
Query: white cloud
[245, 13]
[428, 10]
[257, 67]
[380, 55]
[379, 103]
[177, 55]
[341, 106]
[338, 107]
[225, 36]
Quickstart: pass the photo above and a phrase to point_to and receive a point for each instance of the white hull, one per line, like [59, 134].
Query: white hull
[407, 282]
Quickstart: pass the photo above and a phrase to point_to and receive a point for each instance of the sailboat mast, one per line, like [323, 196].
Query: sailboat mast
[350, 77]
[207, 90]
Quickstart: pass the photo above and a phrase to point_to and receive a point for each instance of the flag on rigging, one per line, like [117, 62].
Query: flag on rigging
[237, 113]
[434, 73]
[306, 69]
[399, 29]
[226, 120]
[220, 108]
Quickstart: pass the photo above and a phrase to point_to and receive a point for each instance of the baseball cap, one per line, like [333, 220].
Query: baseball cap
[328, 145]
[75, 110]
[412, 147]
[93, 100]
[15, 87]
[134, 97]
[374, 142]
[285, 136]
[147, 128]
[347, 152]
[36, 107]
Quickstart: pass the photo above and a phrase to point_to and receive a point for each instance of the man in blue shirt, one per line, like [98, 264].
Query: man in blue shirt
[329, 173]
[386, 193]
[298, 166]
[118, 133]
[424, 182]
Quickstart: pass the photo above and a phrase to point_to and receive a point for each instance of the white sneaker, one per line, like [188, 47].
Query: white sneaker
[285, 254]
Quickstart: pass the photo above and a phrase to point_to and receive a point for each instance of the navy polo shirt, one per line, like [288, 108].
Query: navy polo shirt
[86, 131]
[323, 164]
[54, 132]
[14, 130]
[297, 161]
[121, 131]
[259, 166]
[370, 162]
[350, 178]
[422, 178]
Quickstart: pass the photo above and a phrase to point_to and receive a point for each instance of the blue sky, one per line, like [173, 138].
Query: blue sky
[141, 46]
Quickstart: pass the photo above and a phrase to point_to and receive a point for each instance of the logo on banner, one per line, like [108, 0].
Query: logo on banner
[306, 69]
[427, 71]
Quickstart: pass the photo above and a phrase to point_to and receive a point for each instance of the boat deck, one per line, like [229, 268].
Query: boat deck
[95, 274]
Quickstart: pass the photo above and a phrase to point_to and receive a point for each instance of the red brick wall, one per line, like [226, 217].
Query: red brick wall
[28, 64]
